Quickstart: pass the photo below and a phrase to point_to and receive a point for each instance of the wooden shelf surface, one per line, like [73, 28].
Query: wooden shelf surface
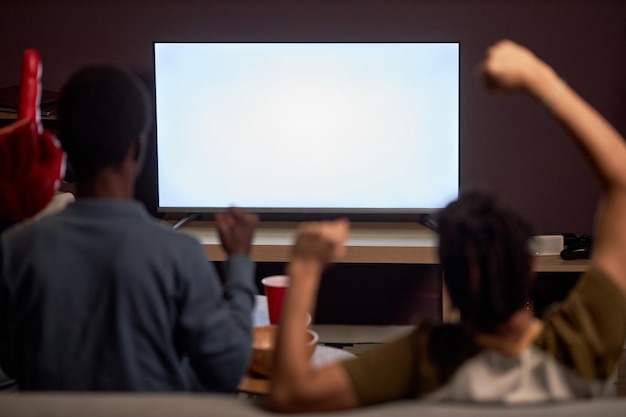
[393, 243]
[368, 243]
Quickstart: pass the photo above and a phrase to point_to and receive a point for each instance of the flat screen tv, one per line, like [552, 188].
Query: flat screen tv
[307, 128]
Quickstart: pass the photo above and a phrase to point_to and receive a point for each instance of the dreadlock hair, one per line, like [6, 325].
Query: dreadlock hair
[484, 253]
[102, 112]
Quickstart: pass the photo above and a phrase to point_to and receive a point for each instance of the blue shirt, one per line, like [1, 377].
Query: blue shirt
[101, 296]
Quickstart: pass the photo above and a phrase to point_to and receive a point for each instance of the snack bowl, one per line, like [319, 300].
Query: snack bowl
[264, 346]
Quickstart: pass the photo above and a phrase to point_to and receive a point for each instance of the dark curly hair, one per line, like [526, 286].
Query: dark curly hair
[102, 112]
[484, 253]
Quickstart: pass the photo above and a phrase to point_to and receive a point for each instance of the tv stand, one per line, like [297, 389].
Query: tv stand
[382, 243]
[188, 218]
[429, 221]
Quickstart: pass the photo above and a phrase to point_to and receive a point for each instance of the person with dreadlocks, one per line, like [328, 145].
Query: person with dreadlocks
[499, 352]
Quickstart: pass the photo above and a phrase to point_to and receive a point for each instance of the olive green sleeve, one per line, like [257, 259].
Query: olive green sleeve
[392, 371]
[586, 331]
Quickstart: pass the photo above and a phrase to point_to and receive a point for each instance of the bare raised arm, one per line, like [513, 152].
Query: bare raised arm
[510, 67]
[296, 386]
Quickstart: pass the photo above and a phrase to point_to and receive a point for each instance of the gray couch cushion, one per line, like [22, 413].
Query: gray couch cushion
[188, 405]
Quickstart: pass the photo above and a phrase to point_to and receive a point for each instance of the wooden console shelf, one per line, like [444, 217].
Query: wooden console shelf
[391, 243]
[368, 243]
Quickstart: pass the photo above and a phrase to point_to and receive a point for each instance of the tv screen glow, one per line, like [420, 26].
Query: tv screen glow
[307, 127]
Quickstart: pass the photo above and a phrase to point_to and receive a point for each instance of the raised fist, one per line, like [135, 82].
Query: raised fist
[323, 241]
[509, 66]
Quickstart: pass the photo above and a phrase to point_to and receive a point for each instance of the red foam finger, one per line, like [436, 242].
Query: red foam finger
[30, 88]
[32, 162]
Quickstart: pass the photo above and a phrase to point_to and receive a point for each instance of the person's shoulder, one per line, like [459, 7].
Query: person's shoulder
[28, 227]
[158, 233]
[600, 280]
[594, 290]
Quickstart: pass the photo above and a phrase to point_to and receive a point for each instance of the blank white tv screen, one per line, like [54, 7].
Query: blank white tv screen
[307, 127]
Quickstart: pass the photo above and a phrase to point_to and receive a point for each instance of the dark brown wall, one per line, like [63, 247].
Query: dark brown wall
[509, 145]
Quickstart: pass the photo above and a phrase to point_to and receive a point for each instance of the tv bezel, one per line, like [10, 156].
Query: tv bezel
[279, 214]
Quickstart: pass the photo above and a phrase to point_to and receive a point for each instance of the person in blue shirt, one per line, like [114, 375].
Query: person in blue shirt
[101, 296]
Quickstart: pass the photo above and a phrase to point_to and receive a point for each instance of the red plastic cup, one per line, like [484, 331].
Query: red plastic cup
[275, 289]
